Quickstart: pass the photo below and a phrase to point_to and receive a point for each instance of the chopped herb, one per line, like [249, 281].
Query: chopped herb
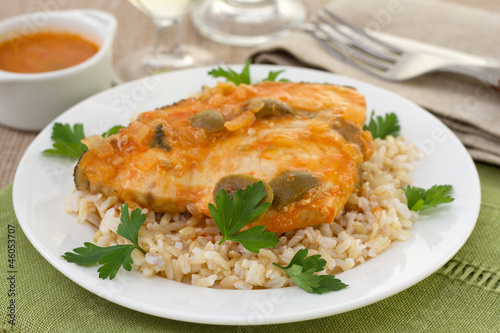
[112, 257]
[158, 139]
[301, 270]
[244, 76]
[420, 199]
[232, 214]
[381, 127]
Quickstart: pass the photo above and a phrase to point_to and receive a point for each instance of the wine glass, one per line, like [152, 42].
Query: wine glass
[167, 53]
[247, 22]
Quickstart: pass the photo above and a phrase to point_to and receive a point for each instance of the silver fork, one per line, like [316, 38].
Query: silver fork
[377, 55]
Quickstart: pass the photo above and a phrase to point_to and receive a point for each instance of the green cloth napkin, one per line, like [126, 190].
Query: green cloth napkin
[463, 296]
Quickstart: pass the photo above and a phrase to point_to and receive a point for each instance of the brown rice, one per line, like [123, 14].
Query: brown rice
[184, 247]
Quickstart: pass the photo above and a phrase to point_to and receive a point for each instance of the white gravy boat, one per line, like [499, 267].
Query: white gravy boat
[31, 101]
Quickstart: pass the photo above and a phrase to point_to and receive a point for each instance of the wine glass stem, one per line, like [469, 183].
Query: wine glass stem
[168, 37]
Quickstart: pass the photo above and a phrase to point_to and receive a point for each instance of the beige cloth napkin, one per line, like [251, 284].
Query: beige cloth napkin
[470, 108]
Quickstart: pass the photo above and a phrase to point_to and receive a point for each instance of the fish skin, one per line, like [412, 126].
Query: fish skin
[324, 137]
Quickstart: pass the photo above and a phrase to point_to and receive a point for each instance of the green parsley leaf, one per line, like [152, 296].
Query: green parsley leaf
[301, 270]
[255, 238]
[111, 131]
[272, 76]
[130, 225]
[381, 127]
[420, 199]
[232, 214]
[88, 255]
[112, 257]
[232, 76]
[244, 76]
[66, 141]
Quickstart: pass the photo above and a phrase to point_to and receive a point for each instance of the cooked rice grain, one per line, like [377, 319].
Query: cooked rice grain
[184, 247]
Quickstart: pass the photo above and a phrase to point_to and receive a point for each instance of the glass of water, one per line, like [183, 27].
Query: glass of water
[247, 22]
[167, 53]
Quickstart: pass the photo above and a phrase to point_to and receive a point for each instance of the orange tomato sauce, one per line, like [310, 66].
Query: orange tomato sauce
[44, 52]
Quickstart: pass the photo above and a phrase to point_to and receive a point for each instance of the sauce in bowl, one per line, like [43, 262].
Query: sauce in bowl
[44, 52]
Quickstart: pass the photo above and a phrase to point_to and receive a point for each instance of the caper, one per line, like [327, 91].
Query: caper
[291, 186]
[209, 120]
[269, 107]
[232, 183]
[348, 131]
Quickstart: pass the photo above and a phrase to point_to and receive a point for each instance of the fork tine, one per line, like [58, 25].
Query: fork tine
[325, 45]
[362, 45]
[336, 54]
[352, 51]
[362, 33]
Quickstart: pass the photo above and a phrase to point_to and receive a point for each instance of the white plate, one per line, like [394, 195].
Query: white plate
[41, 183]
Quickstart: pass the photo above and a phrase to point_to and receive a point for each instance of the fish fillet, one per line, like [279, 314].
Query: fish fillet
[163, 162]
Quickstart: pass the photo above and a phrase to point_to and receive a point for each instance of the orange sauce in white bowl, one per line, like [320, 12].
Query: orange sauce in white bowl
[44, 52]
[52, 66]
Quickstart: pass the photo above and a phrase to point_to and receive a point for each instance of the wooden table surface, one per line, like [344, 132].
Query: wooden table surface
[134, 31]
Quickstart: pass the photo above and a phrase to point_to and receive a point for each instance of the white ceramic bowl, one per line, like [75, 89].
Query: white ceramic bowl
[31, 101]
